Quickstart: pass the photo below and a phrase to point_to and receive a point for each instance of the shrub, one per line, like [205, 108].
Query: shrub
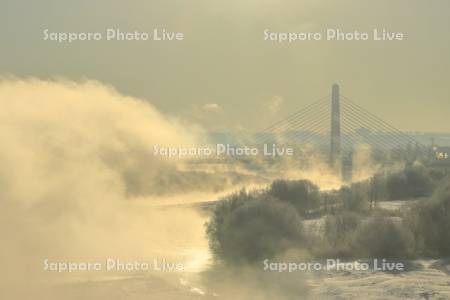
[338, 234]
[355, 197]
[248, 228]
[413, 182]
[382, 237]
[302, 194]
[430, 223]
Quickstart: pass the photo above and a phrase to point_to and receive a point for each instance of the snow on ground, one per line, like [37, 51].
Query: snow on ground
[430, 280]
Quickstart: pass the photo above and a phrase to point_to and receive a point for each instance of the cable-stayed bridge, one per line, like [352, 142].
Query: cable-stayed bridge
[337, 125]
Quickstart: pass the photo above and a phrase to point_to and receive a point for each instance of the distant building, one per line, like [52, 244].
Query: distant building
[441, 153]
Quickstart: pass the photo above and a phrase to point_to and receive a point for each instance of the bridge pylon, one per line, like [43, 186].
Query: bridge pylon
[335, 132]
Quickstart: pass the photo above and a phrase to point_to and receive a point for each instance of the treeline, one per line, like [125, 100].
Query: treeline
[250, 226]
[407, 184]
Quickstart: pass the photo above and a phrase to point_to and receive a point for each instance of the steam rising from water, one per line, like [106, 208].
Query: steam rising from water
[75, 158]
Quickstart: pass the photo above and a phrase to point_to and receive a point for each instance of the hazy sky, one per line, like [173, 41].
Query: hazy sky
[225, 72]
